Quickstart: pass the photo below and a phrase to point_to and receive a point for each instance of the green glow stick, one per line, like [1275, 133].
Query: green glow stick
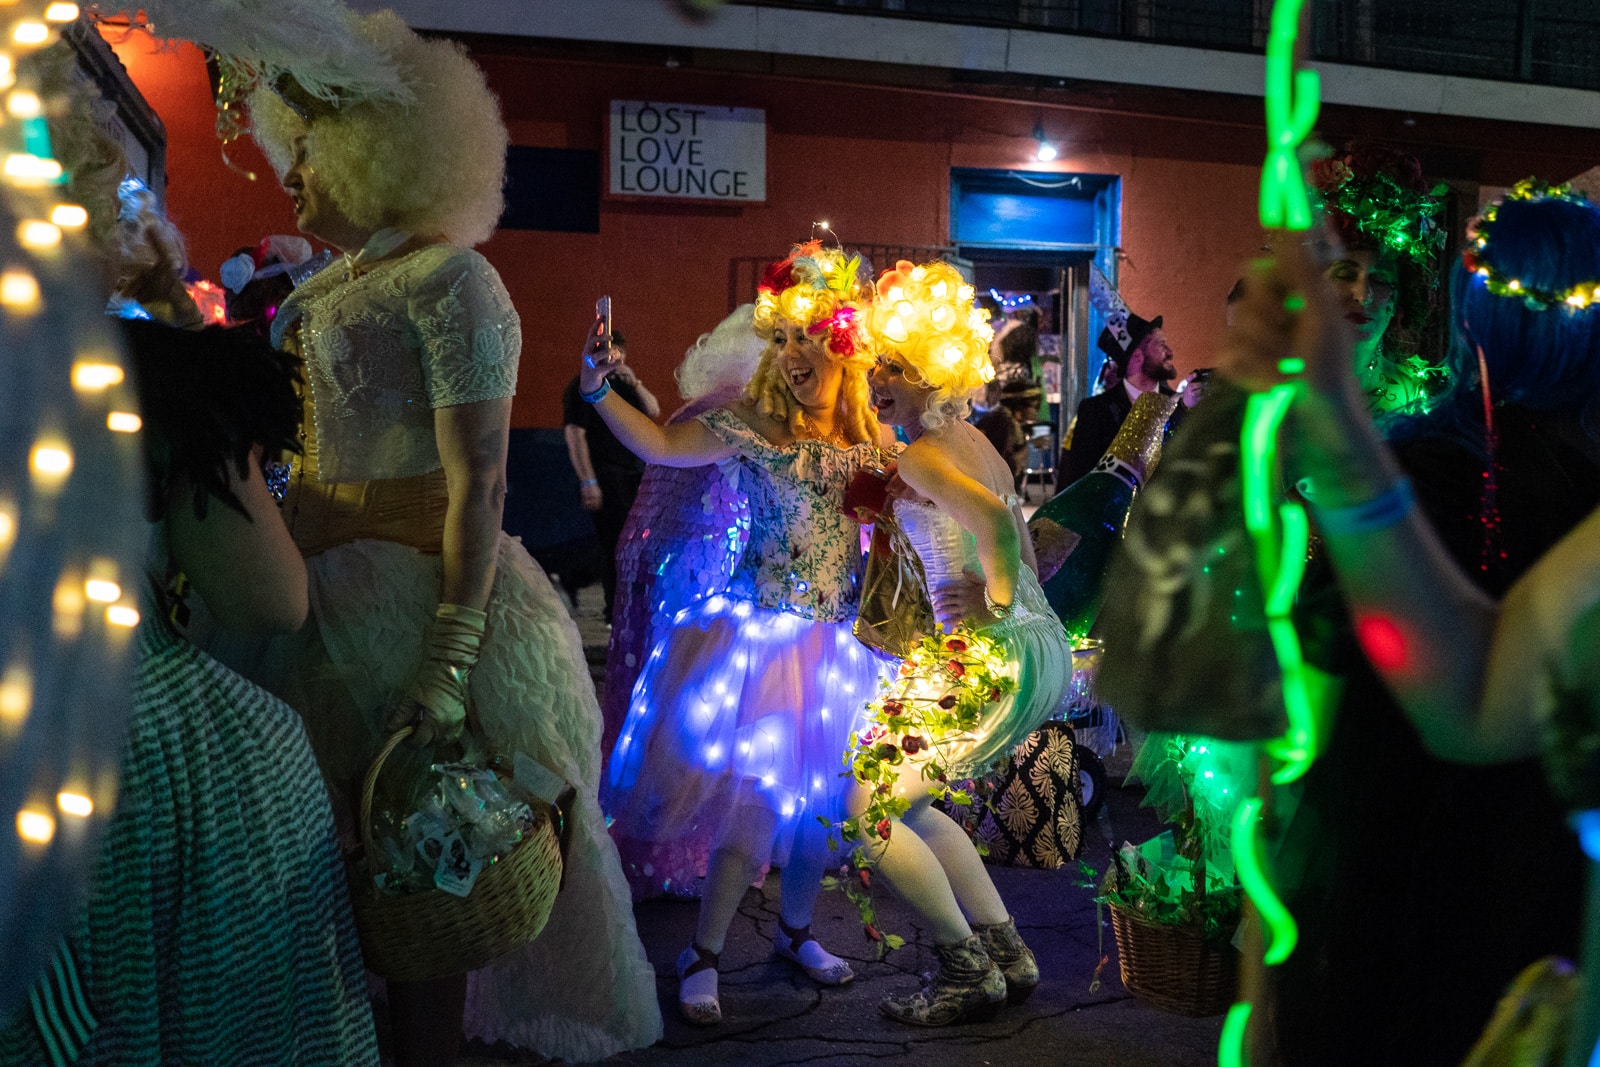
[1293, 100]
[1280, 925]
[1230, 1050]
[1281, 560]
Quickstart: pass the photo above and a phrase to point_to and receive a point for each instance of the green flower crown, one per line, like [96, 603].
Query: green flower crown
[1573, 298]
[1385, 211]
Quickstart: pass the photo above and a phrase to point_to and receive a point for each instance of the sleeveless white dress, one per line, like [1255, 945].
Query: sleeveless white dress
[1037, 650]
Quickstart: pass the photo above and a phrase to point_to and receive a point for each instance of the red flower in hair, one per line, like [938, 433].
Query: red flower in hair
[842, 329]
[778, 276]
[1328, 174]
[1369, 160]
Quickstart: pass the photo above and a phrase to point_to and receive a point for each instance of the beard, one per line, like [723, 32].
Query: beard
[1161, 372]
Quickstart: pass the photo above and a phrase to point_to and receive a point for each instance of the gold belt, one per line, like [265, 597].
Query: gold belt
[323, 515]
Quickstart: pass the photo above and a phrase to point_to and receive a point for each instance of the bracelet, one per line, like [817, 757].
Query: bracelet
[1379, 513]
[588, 481]
[999, 611]
[599, 394]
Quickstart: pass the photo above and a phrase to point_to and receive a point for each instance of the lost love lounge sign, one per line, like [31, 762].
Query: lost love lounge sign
[688, 151]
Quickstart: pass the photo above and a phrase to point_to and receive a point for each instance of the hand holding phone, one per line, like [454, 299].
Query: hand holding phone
[602, 312]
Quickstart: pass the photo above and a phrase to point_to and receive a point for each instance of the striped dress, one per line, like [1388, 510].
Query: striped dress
[218, 929]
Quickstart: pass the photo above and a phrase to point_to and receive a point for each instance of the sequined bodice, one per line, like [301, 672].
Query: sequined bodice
[427, 330]
[804, 552]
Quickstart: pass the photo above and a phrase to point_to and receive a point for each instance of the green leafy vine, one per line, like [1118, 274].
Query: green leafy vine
[937, 701]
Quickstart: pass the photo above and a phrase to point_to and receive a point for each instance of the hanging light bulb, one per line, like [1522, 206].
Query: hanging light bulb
[1046, 151]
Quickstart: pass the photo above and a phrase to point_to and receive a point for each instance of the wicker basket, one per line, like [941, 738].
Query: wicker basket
[1172, 967]
[413, 937]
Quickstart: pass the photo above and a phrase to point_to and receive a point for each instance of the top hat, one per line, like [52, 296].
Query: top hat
[1118, 343]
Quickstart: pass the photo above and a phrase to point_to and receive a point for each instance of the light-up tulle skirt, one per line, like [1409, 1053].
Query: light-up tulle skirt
[740, 706]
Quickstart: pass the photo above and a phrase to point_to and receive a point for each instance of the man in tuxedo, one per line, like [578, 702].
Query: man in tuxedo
[1144, 359]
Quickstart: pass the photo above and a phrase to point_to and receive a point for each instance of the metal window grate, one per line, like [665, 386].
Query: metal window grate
[1546, 42]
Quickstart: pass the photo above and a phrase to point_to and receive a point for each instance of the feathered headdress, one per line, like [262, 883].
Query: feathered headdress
[822, 291]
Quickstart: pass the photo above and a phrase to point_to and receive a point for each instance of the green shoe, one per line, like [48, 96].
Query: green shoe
[968, 987]
[1014, 958]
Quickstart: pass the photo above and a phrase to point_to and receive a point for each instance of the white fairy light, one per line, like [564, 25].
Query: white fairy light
[91, 376]
[74, 804]
[36, 827]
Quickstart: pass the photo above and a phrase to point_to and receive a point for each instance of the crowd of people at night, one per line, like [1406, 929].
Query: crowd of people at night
[328, 579]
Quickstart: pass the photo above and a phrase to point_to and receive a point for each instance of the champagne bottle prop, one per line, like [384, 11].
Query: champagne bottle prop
[1075, 532]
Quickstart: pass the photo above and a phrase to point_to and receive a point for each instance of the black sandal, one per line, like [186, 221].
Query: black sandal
[787, 944]
[701, 1009]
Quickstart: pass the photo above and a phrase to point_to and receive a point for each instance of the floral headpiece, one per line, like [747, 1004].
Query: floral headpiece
[925, 315]
[1574, 298]
[821, 290]
[1377, 199]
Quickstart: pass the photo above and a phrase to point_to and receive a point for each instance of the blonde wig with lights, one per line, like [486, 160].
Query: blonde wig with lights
[822, 291]
[433, 166]
[925, 318]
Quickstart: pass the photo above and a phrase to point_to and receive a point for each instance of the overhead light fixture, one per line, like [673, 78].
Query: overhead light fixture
[1046, 151]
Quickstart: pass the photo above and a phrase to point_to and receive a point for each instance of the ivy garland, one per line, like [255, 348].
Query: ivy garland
[945, 685]
[1387, 212]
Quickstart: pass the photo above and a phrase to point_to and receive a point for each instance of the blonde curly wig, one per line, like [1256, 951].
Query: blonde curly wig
[724, 358]
[77, 117]
[924, 316]
[435, 166]
[822, 291]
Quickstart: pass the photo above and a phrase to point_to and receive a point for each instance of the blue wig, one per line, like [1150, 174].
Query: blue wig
[1538, 357]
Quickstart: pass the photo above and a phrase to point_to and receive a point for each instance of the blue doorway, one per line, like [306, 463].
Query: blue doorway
[1032, 238]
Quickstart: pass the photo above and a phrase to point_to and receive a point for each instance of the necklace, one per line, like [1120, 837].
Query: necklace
[378, 247]
[836, 438]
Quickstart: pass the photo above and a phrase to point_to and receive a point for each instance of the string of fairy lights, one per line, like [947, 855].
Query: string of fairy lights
[1475, 256]
[75, 422]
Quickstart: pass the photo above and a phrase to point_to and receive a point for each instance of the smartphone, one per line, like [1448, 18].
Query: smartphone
[602, 311]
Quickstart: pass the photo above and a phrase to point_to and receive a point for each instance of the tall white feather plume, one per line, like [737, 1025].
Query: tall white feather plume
[317, 41]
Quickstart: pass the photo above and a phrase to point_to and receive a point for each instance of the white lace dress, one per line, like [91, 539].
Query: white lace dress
[1035, 641]
[435, 329]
